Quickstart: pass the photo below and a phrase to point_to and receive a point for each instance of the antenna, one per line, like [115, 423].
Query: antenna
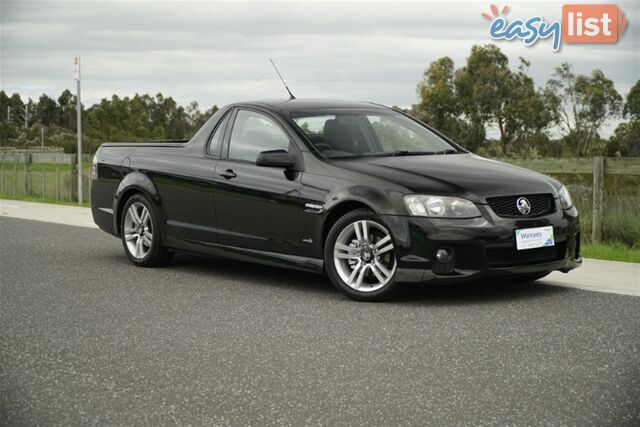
[283, 82]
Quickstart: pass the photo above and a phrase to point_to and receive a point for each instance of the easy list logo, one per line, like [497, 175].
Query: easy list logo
[581, 23]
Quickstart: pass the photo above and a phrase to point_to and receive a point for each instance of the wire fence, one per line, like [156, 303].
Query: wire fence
[55, 181]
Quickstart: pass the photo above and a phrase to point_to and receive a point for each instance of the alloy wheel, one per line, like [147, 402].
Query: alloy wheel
[364, 256]
[138, 230]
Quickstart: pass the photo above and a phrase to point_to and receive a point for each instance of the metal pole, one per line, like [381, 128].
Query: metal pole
[27, 171]
[57, 182]
[26, 115]
[9, 114]
[15, 179]
[44, 171]
[3, 177]
[42, 137]
[79, 146]
[598, 186]
[69, 186]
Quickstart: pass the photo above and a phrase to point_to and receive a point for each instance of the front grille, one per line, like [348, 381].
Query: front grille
[541, 204]
[509, 256]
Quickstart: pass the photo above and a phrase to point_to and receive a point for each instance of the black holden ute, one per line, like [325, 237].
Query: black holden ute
[363, 192]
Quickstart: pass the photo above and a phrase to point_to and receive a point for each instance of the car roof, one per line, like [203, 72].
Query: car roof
[310, 105]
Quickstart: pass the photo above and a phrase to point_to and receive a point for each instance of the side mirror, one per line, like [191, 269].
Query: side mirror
[277, 159]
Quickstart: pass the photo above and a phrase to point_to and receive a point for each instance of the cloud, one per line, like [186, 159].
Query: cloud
[217, 52]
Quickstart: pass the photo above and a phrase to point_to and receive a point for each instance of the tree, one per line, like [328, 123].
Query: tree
[483, 88]
[439, 105]
[46, 110]
[625, 141]
[8, 132]
[526, 114]
[17, 110]
[438, 101]
[119, 119]
[485, 91]
[67, 116]
[626, 138]
[632, 106]
[4, 103]
[581, 104]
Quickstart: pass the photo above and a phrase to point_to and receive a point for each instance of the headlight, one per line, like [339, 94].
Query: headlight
[440, 206]
[565, 198]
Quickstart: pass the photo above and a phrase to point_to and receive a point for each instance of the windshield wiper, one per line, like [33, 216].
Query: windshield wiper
[403, 153]
[398, 153]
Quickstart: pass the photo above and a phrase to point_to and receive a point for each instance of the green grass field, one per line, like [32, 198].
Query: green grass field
[611, 252]
[46, 181]
[40, 199]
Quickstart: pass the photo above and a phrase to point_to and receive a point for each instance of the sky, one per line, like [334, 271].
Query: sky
[218, 52]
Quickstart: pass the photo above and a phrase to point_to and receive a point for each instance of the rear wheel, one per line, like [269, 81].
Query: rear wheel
[360, 257]
[140, 233]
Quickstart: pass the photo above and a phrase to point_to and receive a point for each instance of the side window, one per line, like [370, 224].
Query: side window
[253, 133]
[216, 140]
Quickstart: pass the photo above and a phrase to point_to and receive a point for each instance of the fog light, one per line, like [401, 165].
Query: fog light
[443, 255]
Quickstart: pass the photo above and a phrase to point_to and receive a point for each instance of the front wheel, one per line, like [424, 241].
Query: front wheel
[140, 233]
[360, 257]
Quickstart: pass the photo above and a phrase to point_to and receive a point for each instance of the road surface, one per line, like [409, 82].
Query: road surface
[87, 338]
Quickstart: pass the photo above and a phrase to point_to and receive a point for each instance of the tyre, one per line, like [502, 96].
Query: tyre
[140, 233]
[359, 256]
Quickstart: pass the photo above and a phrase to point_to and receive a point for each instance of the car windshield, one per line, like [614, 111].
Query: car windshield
[351, 134]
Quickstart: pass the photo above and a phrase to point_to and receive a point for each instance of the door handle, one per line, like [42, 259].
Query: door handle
[228, 174]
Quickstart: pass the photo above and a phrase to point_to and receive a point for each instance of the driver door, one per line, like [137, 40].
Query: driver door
[257, 207]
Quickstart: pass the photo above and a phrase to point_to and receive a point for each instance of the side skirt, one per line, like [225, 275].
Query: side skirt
[297, 262]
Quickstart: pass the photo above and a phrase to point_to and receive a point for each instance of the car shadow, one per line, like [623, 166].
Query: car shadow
[253, 273]
[486, 291]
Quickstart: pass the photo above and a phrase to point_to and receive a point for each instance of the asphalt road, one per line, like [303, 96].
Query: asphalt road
[86, 338]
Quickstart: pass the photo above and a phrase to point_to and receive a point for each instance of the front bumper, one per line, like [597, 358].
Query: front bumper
[483, 247]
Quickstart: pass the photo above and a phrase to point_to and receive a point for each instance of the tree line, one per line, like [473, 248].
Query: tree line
[463, 103]
[486, 92]
[137, 118]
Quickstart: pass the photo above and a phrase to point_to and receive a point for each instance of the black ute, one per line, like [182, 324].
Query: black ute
[363, 192]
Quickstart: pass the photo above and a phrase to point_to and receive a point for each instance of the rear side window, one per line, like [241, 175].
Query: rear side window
[253, 133]
[218, 135]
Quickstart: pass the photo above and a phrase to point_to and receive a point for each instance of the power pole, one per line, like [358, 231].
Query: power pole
[26, 116]
[42, 137]
[9, 114]
[76, 77]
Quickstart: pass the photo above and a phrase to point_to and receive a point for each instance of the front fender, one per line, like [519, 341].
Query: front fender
[378, 201]
[133, 182]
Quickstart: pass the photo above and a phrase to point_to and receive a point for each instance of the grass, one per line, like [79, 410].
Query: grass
[50, 167]
[39, 199]
[611, 252]
[45, 181]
